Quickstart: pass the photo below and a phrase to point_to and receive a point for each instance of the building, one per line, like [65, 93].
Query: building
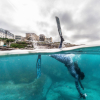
[41, 37]
[48, 39]
[32, 36]
[9, 35]
[6, 34]
[1, 43]
[24, 39]
[2, 33]
[18, 38]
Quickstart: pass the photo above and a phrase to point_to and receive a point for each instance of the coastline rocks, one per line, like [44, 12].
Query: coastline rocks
[38, 89]
[62, 91]
[53, 96]
[46, 87]
[25, 91]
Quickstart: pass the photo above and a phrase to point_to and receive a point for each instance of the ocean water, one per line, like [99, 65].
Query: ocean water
[18, 79]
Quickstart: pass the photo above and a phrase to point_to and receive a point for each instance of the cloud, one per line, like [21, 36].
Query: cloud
[42, 24]
[88, 27]
[80, 20]
[85, 27]
[12, 28]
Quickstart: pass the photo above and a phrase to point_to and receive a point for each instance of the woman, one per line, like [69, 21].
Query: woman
[72, 68]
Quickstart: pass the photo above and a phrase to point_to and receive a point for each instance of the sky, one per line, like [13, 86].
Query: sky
[79, 19]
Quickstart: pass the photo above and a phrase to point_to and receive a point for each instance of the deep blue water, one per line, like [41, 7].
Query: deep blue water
[18, 76]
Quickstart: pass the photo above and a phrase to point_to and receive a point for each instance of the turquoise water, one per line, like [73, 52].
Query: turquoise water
[18, 76]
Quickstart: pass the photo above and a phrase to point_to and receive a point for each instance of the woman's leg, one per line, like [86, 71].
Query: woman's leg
[62, 39]
[38, 66]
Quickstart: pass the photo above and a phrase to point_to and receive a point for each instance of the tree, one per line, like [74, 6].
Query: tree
[9, 40]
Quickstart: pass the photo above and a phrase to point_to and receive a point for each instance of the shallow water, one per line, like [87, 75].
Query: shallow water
[18, 76]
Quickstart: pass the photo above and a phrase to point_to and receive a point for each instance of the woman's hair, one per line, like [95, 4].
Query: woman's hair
[76, 64]
[77, 69]
[82, 75]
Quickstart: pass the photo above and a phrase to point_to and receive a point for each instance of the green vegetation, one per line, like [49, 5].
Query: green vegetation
[7, 40]
[4, 43]
[3, 38]
[21, 42]
[16, 45]
[10, 40]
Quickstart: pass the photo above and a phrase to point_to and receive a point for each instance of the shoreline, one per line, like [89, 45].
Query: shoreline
[44, 51]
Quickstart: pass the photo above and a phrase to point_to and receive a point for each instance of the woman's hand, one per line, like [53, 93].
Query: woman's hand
[83, 96]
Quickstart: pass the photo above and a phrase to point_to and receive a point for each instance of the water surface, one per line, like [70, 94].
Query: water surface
[18, 76]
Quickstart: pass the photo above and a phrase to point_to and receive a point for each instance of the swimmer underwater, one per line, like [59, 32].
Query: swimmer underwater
[72, 67]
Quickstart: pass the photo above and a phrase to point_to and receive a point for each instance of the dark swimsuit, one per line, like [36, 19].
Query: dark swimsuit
[65, 59]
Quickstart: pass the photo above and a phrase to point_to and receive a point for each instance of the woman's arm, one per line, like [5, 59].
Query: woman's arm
[81, 84]
[78, 88]
[77, 84]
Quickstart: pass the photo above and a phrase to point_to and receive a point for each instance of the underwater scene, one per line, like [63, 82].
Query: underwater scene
[18, 76]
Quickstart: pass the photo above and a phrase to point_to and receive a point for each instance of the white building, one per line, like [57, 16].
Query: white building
[9, 35]
[1, 43]
[2, 33]
[18, 38]
[6, 34]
